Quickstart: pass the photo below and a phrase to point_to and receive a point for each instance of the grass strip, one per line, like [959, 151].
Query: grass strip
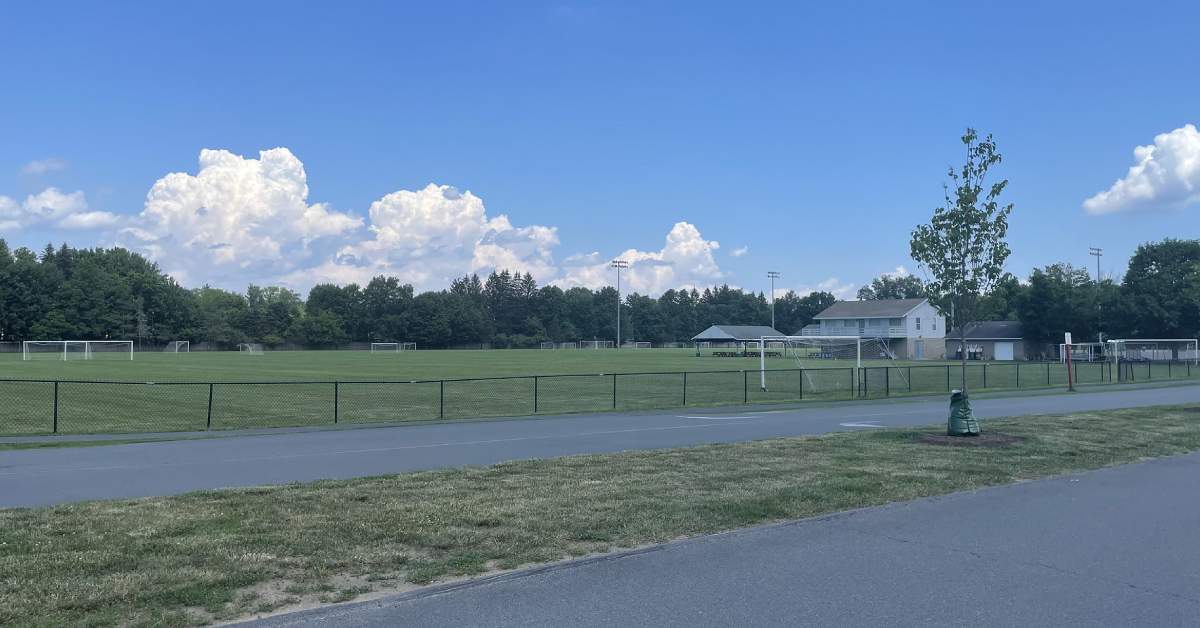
[218, 555]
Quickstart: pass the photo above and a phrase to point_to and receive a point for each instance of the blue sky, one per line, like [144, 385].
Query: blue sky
[816, 135]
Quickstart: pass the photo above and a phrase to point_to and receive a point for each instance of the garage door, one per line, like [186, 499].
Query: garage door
[1004, 350]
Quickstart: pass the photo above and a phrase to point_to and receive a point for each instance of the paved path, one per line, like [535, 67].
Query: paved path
[1117, 547]
[50, 476]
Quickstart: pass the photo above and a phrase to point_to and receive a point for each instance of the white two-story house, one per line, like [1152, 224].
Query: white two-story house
[912, 328]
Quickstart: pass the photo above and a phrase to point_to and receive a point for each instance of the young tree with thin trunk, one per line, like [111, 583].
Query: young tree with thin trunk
[963, 246]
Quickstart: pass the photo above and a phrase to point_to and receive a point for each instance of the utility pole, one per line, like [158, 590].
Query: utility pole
[619, 264]
[773, 275]
[1097, 253]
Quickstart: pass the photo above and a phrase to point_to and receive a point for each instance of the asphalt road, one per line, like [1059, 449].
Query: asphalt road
[51, 476]
[1116, 547]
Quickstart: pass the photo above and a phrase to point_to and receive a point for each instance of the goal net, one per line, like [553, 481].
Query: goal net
[595, 344]
[1153, 350]
[77, 349]
[811, 353]
[630, 344]
[1083, 352]
[547, 345]
[178, 346]
[385, 347]
[251, 348]
[568, 345]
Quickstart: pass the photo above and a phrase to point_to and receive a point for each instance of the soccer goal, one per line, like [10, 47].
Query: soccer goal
[635, 345]
[568, 345]
[178, 346]
[1083, 352]
[77, 349]
[1153, 350]
[815, 352]
[251, 348]
[595, 344]
[548, 345]
[385, 347]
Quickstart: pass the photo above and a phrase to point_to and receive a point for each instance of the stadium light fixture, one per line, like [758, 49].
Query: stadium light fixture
[619, 264]
[773, 275]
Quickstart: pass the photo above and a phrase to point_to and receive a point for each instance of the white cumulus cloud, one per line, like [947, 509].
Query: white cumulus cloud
[429, 236]
[236, 215]
[51, 205]
[89, 220]
[1166, 176]
[686, 259]
[738, 252]
[43, 166]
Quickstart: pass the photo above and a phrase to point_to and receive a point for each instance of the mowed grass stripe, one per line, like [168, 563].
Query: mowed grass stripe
[223, 554]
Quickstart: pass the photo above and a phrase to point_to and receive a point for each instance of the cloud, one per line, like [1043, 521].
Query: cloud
[429, 236]
[89, 220]
[686, 259]
[51, 205]
[900, 271]
[249, 217]
[239, 220]
[1166, 176]
[43, 166]
[738, 252]
[832, 285]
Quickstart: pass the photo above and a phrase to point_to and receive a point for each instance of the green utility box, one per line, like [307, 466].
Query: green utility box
[962, 422]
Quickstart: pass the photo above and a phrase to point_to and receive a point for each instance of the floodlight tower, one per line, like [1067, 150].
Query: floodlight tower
[773, 275]
[619, 264]
[1097, 253]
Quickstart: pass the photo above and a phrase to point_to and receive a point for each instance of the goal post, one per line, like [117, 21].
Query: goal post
[1154, 350]
[178, 346]
[385, 347]
[250, 348]
[807, 350]
[76, 349]
[408, 346]
[595, 344]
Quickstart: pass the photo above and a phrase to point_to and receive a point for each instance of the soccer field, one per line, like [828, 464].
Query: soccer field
[225, 390]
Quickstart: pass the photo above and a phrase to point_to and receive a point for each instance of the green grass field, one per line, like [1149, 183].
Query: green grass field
[171, 392]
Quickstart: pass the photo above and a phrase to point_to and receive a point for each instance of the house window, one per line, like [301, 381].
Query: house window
[918, 323]
[894, 322]
[934, 323]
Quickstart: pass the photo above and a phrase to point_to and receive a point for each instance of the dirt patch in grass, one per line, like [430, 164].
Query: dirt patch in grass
[986, 439]
[220, 555]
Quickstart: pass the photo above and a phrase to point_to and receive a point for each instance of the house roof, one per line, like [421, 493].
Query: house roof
[881, 308]
[990, 330]
[726, 333]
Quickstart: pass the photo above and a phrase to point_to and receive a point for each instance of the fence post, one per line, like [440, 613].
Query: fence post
[441, 399]
[985, 374]
[55, 426]
[614, 391]
[862, 385]
[208, 421]
[535, 394]
[1018, 365]
[685, 388]
[801, 371]
[745, 386]
[947, 378]
[910, 379]
[335, 402]
[853, 384]
[1047, 373]
[887, 381]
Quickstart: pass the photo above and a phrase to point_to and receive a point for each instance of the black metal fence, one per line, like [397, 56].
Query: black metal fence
[72, 406]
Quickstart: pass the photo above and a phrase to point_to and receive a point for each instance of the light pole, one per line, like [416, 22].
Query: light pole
[1097, 253]
[773, 275]
[619, 264]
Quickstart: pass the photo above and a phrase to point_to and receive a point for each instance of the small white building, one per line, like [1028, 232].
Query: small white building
[912, 328]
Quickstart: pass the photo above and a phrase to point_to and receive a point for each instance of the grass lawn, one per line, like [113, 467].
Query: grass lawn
[223, 554]
[169, 392]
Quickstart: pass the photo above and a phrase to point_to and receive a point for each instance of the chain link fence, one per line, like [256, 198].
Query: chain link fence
[50, 406]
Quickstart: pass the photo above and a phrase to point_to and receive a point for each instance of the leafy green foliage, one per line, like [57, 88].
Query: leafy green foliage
[893, 287]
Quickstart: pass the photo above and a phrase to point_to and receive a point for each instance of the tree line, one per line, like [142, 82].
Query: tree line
[81, 294]
[91, 294]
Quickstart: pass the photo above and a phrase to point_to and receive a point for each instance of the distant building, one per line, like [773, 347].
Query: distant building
[988, 340]
[912, 328]
[736, 337]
